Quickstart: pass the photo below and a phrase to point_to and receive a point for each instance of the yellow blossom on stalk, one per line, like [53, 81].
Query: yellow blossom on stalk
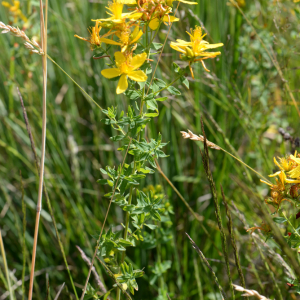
[284, 164]
[195, 50]
[170, 2]
[126, 37]
[116, 13]
[126, 66]
[295, 172]
[95, 40]
[154, 23]
[15, 10]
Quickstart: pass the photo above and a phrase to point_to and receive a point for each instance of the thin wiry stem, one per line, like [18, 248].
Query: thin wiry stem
[87, 260]
[24, 239]
[59, 291]
[205, 160]
[232, 239]
[40, 193]
[5, 267]
[208, 265]
[45, 190]
[100, 235]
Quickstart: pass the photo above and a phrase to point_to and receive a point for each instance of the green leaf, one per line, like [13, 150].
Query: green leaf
[151, 226]
[152, 105]
[279, 220]
[151, 115]
[157, 46]
[160, 82]
[185, 81]
[173, 90]
[161, 99]
[176, 68]
[117, 138]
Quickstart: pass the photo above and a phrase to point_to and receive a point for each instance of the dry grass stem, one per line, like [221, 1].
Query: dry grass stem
[87, 260]
[194, 137]
[30, 44]
[249, 292]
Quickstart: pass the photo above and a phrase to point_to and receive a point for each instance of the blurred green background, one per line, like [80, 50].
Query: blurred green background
[243, 102]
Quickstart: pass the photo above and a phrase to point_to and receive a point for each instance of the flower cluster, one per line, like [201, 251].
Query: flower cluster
[196, 49]
[287, 187]
[15, 10]
[125, 30]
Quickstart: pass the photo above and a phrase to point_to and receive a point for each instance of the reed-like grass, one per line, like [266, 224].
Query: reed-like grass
[245, 102]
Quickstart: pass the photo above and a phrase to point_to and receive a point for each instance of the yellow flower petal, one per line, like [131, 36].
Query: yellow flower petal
[154, 23]
[138, 60]
[295, 173]
[170, 19]
[111, 73]
[135, 16]
[119, 58]
[6, 4]
[137, 76]
[109, 41]
[295, 159]
[137, 36]
[187, 2]
[122, 85]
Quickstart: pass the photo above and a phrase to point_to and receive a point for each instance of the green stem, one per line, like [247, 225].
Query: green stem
[6, 268]
[168, 85]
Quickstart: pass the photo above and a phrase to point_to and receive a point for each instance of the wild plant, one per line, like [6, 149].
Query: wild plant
[129, 46]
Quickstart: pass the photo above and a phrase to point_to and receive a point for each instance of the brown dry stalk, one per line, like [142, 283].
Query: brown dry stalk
[30, 44]
[249, 292]
[40, 192]
[88, 261]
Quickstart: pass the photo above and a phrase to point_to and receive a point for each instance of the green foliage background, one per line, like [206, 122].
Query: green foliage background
[243, 103]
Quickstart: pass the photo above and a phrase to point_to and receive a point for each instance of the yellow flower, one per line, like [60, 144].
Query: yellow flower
[170, 2]
[284, 164]
[126, 37]
[195, 48]
[117, 15]
[15, 10]
[95, 40]
[126, 66]
[154, 23]
[282, 176]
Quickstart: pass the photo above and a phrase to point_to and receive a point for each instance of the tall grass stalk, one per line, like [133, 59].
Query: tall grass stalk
[37, 165]
[24, 238]
[203, 258]
[11, 295]
[205, 160]
[232, 239]
[43, 144]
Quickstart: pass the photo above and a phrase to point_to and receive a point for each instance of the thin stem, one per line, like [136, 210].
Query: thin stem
[100, 235]
[288, 220]
[208, 265]
[205, 160]
[40, 193]
[46, 193]
[5, 267]
[24, 239]
[232, 239]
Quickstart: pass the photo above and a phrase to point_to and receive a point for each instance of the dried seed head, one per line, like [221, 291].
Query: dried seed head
[19, 33]
[249, 292]
[194, 137]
